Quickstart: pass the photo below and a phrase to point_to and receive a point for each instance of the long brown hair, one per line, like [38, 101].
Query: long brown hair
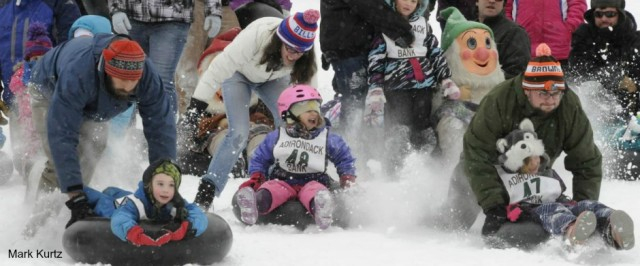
[303, 69]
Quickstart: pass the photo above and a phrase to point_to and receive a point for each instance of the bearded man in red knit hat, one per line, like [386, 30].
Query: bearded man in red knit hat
[76, 88]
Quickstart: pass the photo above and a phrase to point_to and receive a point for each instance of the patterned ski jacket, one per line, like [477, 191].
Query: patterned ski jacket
[548, 21]
[14, 23]
[72, 78]
[334, 150]
[391, 67]
[162, 10]
[566, 129]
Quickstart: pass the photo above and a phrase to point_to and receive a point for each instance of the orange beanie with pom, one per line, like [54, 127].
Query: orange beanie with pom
[543, 71]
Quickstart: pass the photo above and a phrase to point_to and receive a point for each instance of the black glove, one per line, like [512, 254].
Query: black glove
[405, 41]
[496, 217]
[325, 62]
[79, 207]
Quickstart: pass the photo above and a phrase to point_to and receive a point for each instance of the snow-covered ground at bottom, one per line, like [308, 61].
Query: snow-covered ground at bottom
[392, 220]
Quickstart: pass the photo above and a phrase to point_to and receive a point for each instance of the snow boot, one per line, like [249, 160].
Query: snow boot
[204, 198]
[584, 226]
[246, 199]
[618, 231]
[239, 169]
[323, 209]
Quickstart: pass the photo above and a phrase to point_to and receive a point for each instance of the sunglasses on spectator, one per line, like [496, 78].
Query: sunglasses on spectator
[293, 50]
[609, 14]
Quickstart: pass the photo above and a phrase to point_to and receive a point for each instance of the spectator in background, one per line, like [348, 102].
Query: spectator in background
[346, 34]
[512, 40]
[466, 7]
[15, 17]
[607, 49]
[548, 21]
[162, 32]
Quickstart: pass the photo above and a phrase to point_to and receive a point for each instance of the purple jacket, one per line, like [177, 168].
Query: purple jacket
[234, 4]
[337, 152]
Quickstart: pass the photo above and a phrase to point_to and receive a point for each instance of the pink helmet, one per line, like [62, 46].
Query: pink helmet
[294, 94]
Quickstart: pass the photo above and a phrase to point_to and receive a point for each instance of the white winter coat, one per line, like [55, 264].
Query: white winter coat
[243, 55]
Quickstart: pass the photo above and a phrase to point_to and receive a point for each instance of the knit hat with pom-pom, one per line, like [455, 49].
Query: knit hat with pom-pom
[299, 30]
[124, 59]
[543, 71]
[38, 42]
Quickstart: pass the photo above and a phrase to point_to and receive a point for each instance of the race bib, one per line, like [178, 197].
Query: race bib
[530, 188]
[301, 156]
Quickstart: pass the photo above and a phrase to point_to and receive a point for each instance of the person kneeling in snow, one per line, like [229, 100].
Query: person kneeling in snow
[536, 192]
[299, 152]
[157, 198]
[540, 95]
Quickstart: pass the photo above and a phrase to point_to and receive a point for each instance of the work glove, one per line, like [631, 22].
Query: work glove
[79, 207]
[120, 23]
[374, 107]
[255, 181]
[347, 180]
[212, 25]
[4, 111]
[496, 217]
[180, 230]
[450, 89]
[627, 84]
[139, 237]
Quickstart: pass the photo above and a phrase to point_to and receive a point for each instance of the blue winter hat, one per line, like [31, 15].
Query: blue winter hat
[299, 30]
[93, 23]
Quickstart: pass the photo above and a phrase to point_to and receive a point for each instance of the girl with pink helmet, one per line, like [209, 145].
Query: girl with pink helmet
[265, 57]
[297, 154]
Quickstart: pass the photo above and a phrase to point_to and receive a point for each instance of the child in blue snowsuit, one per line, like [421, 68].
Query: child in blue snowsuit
[298, 152]
[156, 199]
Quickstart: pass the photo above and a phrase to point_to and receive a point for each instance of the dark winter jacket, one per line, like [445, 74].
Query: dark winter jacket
[127, 214]
[390, 67]
[349, 26]
[72, 78]
[513, 45]
[15, 21]
[606, 55]
[566, 129]
[468, 9]
[337, 152]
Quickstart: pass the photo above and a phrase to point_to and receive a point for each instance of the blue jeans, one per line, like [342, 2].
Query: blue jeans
[555, 217]
[236, 92]
[350, 81]
[163, 43]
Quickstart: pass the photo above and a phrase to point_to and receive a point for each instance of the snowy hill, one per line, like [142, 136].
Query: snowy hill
[391, 224]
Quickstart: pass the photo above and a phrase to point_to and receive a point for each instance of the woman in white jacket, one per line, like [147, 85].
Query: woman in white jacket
[264, 58]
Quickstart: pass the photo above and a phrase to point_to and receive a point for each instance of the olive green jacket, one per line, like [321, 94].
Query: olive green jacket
[565, 129]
